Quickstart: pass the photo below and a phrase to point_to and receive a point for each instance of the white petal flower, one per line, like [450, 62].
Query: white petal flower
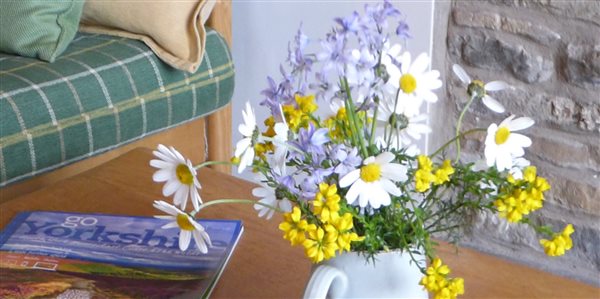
[188, 227]
[268, 197]
[401, 123]
[476, 88]
[178, 174]
[416, 82]
[244, 149]
[502, 146]
[373, 183]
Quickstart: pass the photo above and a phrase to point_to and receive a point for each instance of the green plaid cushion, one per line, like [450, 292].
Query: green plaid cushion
[101, 93]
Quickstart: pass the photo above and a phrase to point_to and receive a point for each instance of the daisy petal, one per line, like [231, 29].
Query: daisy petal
[184, 239]
[493, 104]
[170, 187]
[461, 74]
[350, 178]
[496, 85]
[162, 175]
[384, 158]
[420, 64]
[170, 225]
[161, 164]
[354, 191]
[520, 123]
[390, 187]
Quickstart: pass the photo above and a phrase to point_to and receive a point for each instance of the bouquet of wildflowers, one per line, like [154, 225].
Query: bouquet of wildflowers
[337, 154]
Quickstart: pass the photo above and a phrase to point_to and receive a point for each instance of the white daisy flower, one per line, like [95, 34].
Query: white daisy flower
[416, 81]
[373, 183]
[188, 227]
[268, 197]
[179, 175]
[404, 127]
[245, 147]
[502, 146]
[476, 88]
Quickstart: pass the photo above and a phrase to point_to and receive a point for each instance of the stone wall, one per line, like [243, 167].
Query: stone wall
[549, 51]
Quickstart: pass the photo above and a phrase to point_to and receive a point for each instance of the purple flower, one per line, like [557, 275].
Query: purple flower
[349, 24]
[310, 185]
[402, 30]
[325, 90]
[311, 140]
[348, 159]
[300, 62]
[379, 13]
[332, 54]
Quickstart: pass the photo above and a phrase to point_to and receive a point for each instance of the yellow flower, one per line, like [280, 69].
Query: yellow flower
[560, 243]
[425, 163]
[443, 173]
[326, 203]
[454, 288]
[435, 278]
[270, 123]
[320, 245]
[306, 103]
[293, 116]
[294, 227]
[423, 180]
[343, 226]
[522, 196]
[437, 282]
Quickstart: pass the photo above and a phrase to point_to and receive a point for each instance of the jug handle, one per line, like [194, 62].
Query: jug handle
[320, 282]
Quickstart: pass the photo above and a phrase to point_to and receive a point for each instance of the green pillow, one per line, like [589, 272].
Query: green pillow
[38, 28]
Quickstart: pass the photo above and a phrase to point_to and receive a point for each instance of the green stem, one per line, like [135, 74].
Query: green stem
[234, 200]
[545, 230]
[352, 118]
[374, 125]
[458, 124]
[208, 163]
[456, 138]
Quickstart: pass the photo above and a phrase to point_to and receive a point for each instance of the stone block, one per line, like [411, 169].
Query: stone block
[582, 65]
[560, 150]
[584, 10]
[481, 19]
[492, 53]
[574, 194]
[538, 33]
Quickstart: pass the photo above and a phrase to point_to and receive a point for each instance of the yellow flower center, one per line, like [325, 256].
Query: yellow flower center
[502, 135]
[408, 83]
[184, 175]
[184, 222]
[370, 173]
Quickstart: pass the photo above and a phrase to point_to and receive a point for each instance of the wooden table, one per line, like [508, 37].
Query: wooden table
[264, 265]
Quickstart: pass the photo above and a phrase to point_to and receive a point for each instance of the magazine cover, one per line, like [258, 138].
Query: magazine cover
[71, 255]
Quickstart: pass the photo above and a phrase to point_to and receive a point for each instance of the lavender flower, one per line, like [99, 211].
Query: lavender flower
[402, 30]
[312, 140]
[348, 159]
[310, 185]
[332, 54]
[349, 24]
[300, 62]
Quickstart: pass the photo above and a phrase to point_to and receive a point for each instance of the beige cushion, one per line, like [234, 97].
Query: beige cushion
[174, 30]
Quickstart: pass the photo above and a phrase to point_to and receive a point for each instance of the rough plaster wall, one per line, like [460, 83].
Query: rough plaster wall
[550, 52]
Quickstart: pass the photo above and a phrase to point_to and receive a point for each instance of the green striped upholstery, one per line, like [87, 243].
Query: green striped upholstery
[102, 92]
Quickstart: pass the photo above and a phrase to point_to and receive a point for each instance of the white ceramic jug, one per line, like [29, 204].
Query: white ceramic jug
[394, 275]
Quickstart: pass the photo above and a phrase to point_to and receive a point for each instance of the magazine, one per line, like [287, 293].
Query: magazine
[72, 255]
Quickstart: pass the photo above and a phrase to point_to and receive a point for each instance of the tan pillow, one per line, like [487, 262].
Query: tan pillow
[174, 30]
